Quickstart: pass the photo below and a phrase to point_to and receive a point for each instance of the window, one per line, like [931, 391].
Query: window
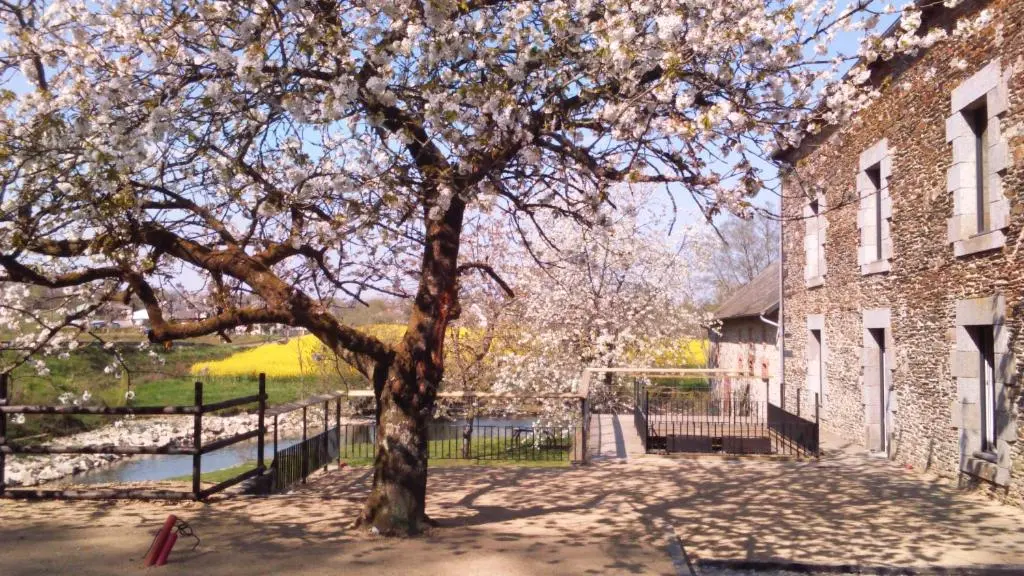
[878, 335]
[981, 212]
[875, 212]
[875, 176]
[977, 119]
[814, 241]
[814, 365]
[816, 354]
[983, 339]
[876, 380]
[981, 367]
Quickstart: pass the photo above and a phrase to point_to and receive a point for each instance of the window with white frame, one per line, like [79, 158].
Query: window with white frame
[980, 158]
[875, 213]
[814, 241]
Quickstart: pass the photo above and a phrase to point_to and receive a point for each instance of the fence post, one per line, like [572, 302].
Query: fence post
[3, 431]
[337, 424]
[197, 441]
[647, 418]
[275, 438]
[305, 448]
[261, 424]
[326, 444]
[798, 395]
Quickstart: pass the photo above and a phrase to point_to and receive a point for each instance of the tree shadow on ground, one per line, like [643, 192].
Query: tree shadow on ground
[612, 516]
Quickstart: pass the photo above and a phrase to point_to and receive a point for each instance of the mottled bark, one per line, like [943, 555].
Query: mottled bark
[405, 401]
[397, 504]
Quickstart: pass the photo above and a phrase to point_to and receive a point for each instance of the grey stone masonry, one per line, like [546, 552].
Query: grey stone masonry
[949, 299]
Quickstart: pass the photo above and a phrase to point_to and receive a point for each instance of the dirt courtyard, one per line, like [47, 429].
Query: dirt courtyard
[612, 517]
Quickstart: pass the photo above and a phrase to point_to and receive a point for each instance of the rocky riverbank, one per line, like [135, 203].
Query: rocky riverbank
[32, 470]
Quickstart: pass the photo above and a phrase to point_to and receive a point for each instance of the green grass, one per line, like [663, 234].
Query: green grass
[218, 476]
[154, 382]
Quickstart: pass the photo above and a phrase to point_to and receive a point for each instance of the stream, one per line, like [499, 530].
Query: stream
[155, 468]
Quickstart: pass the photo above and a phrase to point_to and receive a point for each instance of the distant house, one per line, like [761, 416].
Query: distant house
[140, 318]
[745, 339]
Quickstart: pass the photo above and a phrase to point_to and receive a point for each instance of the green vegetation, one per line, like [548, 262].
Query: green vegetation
[164, 380]
[218, 476]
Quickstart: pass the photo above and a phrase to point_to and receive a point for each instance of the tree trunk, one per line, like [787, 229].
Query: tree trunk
[467, 437]
[405, 401]
[397, 503]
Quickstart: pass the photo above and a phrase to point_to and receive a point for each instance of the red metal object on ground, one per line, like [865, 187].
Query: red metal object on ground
[161, 538]
[162, 559]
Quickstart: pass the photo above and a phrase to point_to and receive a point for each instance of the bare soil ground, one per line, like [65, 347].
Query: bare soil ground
[613, 517]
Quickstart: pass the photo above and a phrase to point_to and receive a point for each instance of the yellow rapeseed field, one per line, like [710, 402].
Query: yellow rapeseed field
[306, 356]
[301, 356]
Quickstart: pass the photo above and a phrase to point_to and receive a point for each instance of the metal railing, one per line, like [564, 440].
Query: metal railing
[641, 407]
[481, 443]
[801, 437]
[293, 464]
[671, 421]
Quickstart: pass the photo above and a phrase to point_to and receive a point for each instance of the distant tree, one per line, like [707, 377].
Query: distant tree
[744, 249]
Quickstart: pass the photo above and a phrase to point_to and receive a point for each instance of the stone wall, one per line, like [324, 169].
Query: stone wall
[747, 345]
[926, 279]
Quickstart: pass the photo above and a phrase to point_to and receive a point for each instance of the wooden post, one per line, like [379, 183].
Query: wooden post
[275, 436]
[261, 424]
[305, 449]
[3, 430]
[197, 441]
[337, 424]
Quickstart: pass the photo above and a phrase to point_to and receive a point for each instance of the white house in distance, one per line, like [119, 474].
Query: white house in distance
[745, 338]
[140, 318]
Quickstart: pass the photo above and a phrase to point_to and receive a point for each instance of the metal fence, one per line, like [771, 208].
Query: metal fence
[669, 420]
[293, 464]
[640, 412]
[356, 443]
[800, 436]
[480, 443]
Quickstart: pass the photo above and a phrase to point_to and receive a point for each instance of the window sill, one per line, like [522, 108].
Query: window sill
[979, 243]
[983, 469]
[987, 456]
[815, 282]
[876, 267]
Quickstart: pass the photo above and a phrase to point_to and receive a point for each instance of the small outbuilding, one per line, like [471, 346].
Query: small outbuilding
[745, 335]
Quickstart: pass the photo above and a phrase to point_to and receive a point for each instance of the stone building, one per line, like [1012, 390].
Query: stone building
[745, 339]
[903, 270]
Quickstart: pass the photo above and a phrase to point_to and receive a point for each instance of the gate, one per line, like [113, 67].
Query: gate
[669, 420]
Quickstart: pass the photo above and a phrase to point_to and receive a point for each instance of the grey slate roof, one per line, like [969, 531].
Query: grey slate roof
[759, 296]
